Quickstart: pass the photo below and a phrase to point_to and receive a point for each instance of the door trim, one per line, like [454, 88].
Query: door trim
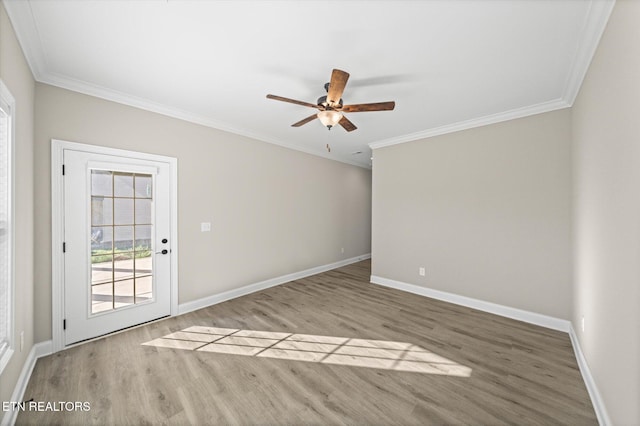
[57, 227]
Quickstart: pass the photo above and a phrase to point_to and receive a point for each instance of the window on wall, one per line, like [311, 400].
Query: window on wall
[6, 226]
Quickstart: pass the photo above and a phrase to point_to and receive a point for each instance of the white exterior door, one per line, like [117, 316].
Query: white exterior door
[117, 243]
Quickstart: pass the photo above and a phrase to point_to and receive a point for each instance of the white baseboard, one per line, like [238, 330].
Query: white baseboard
[481, 305]
[520, 315]
[214, 299]
[46, 348]
[596, 399]
[37, 351]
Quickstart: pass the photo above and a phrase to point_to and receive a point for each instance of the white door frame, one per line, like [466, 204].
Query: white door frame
[57, 227]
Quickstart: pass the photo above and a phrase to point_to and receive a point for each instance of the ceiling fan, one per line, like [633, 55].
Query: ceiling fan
[331, 106]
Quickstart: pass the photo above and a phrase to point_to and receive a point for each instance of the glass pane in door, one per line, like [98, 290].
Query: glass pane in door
[121, 239]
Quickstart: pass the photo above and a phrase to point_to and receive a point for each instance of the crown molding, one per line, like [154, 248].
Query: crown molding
[144, 104]
[21, 15]
[593, 27]
[473, 123]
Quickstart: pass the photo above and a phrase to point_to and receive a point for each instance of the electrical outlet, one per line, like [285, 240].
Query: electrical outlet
[21, 340]
[205, 227]
[421, 271]
[582, 325]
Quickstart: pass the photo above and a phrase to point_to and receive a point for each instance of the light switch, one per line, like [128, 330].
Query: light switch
[205, 227]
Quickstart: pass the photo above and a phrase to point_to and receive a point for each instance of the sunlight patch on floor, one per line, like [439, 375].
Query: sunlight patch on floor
[381, 354]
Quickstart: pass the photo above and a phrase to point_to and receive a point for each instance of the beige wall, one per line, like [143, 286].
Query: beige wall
[504, 212]
[274, 211]
[486, 211]
[606, 131]
[16, 75]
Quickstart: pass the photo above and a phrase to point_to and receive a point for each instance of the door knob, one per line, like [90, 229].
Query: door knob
[165, 251]
[165, 241]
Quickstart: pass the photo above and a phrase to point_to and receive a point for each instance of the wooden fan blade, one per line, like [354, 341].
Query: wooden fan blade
[348, 125]
[336, 86]
[305, 121]
[292, 101]
[377, 106]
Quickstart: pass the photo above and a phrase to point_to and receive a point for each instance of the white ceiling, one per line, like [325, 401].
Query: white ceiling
[448, 64]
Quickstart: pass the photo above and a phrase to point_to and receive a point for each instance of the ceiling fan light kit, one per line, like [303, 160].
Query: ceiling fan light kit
[329, 118]
[331, 106]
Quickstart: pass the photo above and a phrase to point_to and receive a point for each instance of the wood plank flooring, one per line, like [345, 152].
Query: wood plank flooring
[517, 373]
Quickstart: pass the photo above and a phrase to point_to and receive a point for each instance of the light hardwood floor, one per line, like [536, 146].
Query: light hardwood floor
[469, 367]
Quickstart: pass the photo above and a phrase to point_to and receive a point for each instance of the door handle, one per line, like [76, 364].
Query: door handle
[165, 251]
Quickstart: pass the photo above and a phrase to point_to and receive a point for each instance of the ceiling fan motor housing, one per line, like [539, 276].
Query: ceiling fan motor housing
[322, 100]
